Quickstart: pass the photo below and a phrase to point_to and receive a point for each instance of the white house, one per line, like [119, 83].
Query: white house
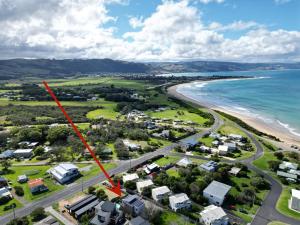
[209, 166]
[295, 200]
[231, 146]
[234, 171]
[25, 153]
[130, 177]
[223, 149]
[160, 193]
[130, 145]
[288, 165]
[5, 192]
[151, 168]
[215, 192]
[179, 201]
[236, 137]
[214, 215]
[64, 172]
[184, 162]
[141, 185]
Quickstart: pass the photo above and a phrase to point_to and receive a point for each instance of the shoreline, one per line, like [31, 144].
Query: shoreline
[285, 136]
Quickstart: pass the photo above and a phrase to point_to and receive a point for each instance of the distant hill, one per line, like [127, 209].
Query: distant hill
[52, 68]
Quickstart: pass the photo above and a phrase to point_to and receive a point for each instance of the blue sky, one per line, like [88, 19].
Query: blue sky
[152, 30]
[285, 15]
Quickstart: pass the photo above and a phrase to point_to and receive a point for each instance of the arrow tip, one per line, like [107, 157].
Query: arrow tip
[116, 189]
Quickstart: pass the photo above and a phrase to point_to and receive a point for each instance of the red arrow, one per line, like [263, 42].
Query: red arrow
[115, 188]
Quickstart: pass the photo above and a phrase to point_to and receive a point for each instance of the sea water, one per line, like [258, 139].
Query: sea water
[273, 96]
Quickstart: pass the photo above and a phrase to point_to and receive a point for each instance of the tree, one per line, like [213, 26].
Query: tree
[38, 214]
[39, 151]
[91, 189]
[130, 185]
[19, 190]
[273, 165]
[84, 220]
[5, 164]
[19, 221]
[101, 194]
[4, 200]
[147, 192]
[279, 155]
[58, 133]
[260, 183]
[76, 145]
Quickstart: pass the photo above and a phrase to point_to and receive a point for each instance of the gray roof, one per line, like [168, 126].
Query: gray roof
[108, 206]
[87, 208]
[133, 200]
[82, 202]
[139, 221]
[217, 189]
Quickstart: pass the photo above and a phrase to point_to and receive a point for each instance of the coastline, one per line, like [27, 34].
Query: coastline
[285, 136]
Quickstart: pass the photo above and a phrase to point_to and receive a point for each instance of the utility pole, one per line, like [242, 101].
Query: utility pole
[82, 184]
[13, 206]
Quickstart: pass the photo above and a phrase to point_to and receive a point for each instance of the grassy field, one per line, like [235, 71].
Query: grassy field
[33, 172]
[282, 203]
[262, 162]
[207, 141]
[107, 113]
[230, 128]
[174, 115]
[173, 172]
[167, 160]
[168, 218]
[117, 82]
[2, 211]
[95, 170]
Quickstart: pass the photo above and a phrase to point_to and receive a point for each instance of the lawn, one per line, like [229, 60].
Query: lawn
[167, 218]
[179, 114]
[95, 170]
[207, 141]
[262, 162]
[33, 172]
[107, 113]
[167, 160]
[173, 172]
[18, 205]
[282, 203]
[230, 127]
[117, 82]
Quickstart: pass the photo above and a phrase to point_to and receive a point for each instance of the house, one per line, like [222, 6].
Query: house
[184, 162]
[160, 193]
[234, 171]
[5, 192]
[23, 153]
[78, 205]
[137, 221]
[215, 192]
[22, 179]
[107, 212]
[133, 205]
[204, 148]
[130, 177]
[214, 215]
[179, 201]
[236, 137]
[289, 176]
[209, 166]
[141, 185]
[3, 182]
[188, 143]
[288, 165]
[37, 185]
[295, 200]
[86, 209]
[215, 135]
[64, 172]
[223, 150]
[7, 154]
[231, 146]
[130, 145]
[151, 168]
[215, 143]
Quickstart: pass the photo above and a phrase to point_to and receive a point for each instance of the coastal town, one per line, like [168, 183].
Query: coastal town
[177, 162]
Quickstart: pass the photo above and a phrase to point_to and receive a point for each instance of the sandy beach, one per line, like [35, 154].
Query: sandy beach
[277, 131]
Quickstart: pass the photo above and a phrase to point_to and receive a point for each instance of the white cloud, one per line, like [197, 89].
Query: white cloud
[235, 26]
[175, 31]
[136, 22]
[210, 1]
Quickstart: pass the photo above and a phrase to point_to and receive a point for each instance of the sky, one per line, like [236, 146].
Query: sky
[152, 30]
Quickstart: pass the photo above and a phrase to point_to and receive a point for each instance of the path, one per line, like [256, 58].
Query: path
[58, 216]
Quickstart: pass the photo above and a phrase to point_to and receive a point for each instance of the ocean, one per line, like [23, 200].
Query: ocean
[272, 96]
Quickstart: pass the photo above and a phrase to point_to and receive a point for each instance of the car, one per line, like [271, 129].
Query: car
[107, 184]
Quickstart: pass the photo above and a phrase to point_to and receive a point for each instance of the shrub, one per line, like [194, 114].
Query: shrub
[91, 190]
[4, 200]
[38, 214]
[19, 190]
